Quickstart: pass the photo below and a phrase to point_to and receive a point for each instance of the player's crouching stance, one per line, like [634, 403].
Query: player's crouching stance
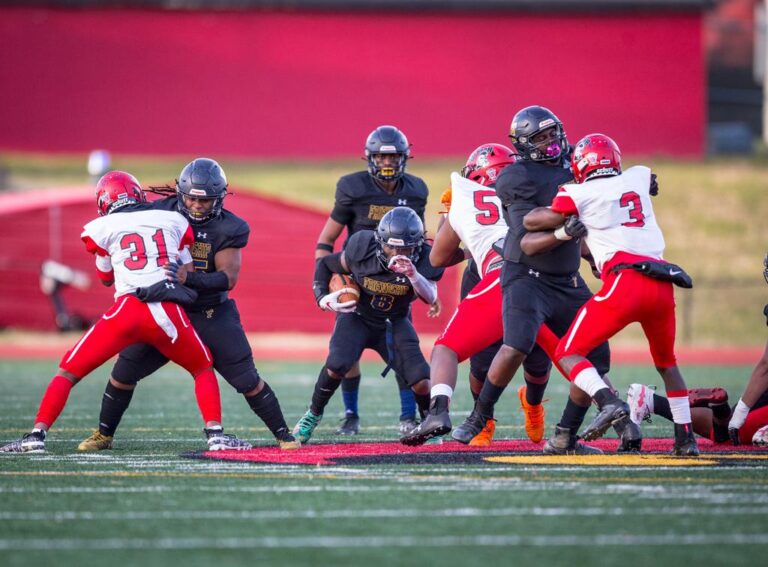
[391, 266]
[131, 248]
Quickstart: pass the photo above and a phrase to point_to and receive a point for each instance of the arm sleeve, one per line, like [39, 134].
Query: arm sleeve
[325, 267]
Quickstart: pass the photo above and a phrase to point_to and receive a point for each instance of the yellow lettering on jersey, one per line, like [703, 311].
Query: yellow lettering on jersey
[375, 286]
[200, 252]
[375, 212]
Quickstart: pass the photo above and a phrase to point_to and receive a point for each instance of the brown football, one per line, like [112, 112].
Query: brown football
[340, 281]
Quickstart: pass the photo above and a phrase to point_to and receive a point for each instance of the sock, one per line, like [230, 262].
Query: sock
[573, 416]
[439, 404]
[585, 376]
[54, 400]
[489, 395]
[680, 406]
[441, 390]
[534, 392]
[267, 407]
[349, 392]
[208, 396]
[661, 407]
[325, 388]
[422, 400]
[408, 404]
[114, 402]
[721, 411]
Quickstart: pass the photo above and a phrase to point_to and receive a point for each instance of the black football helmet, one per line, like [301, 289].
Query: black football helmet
[401, 229]
[387, 140]
[531, 121]
[202, 178]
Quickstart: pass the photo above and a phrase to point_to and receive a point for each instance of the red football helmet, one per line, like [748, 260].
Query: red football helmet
[116, 189]
[595, 155]
[486, 162]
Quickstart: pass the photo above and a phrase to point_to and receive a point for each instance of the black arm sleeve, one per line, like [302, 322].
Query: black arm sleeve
[325, 267]
[203, 281]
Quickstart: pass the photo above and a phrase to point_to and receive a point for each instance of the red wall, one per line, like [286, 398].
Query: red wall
[314, 84]
[274, 292]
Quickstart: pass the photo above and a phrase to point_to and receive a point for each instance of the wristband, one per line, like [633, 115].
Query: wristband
[560, 234]
[204, 281]
[323, 246]
[739, 415]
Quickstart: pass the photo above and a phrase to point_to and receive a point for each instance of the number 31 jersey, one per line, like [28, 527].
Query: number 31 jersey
[138, 240]
[617, 212]
[475, 216]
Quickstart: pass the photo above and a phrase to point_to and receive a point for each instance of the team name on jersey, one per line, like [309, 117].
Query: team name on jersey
[375, 212]
[375, 286]
[200, 252]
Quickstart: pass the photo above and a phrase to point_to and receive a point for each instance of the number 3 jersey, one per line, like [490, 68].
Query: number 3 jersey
[617, 212]
[475, 216]
[138, 240]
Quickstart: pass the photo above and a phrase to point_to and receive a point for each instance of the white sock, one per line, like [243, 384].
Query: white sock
[589, 381]
[681, 409]
[441, 390]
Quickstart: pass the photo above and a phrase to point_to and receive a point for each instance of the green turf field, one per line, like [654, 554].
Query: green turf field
[143, 503]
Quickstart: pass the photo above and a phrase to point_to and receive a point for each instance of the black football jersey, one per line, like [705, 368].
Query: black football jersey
[224, 231]
[360, 202]
[383, 293]
[521, 187]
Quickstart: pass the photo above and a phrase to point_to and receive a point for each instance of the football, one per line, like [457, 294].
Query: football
[340, 281]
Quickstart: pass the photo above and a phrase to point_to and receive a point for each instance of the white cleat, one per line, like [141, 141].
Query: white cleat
[33, 442]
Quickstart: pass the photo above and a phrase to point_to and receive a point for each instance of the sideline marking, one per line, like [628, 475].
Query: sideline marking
[603, 460]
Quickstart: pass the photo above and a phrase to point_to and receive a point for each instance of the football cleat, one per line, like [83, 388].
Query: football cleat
[534, 417]
[760, 438]
[434, 425]
[640, 402]
[703, 397]
[220, 441]
[610, 414]
[630, 435]
[286, 441]
[485, 437]
[563, 442]
[350, 425]
[306, 426]
[33, 442]
[407, 425]
[471, 427]
[685, 443]
[96, 442]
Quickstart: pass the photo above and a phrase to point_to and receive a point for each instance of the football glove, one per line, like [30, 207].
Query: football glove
[402, 265]
[654, 185]
[330, 302]
[445, 200]
[734, 435]
[174, 272]
[573, 228]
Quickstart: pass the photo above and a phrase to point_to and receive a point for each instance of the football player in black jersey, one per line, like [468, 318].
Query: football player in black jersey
[219, 237]
[391, 267]
[541, 283]
[362, 198]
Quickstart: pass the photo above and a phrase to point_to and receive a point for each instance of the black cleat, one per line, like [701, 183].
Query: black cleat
[350, 425]
[468, 430]
[630, 435]
[434, 425]
[685, 443]
[610, 414]
[563, 442]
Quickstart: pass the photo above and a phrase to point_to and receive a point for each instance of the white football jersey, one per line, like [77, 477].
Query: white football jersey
[476, 216]
[138, 243]
[618, 214]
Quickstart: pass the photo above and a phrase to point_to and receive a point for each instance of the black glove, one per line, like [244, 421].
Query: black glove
[172, 270]
[654, 185]
[734, 435]
[574, 227]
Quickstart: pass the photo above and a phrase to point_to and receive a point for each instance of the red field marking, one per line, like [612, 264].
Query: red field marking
[333, 454]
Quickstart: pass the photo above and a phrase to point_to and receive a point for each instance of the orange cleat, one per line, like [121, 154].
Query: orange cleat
[485, 437]
[534, 417]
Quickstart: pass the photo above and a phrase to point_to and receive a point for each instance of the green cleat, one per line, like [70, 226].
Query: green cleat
[306, 425]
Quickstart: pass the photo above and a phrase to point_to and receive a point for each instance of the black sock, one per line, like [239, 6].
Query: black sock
[534, 393]
[661, 407]
[422, 401]
[325, 388]
[267, 407]
[573, 416]
[721, 411]
[114, 402]
[489, 395]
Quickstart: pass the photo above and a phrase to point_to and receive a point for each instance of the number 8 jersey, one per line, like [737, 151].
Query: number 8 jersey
[136, 242]
[617, 212]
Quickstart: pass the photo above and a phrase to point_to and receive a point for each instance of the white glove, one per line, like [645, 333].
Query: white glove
[402, 265]
[330, 302]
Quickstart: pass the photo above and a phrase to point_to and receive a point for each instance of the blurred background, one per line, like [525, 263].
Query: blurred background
[283, 93]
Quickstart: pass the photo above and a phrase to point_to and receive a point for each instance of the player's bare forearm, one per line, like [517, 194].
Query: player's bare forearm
[542, 218]
[328, 236]
[535, 243]
[758, 381]
[229, 261]
[445, 250]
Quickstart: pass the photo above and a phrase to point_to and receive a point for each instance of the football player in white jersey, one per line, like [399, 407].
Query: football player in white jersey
[627, 245]
[132, 244]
